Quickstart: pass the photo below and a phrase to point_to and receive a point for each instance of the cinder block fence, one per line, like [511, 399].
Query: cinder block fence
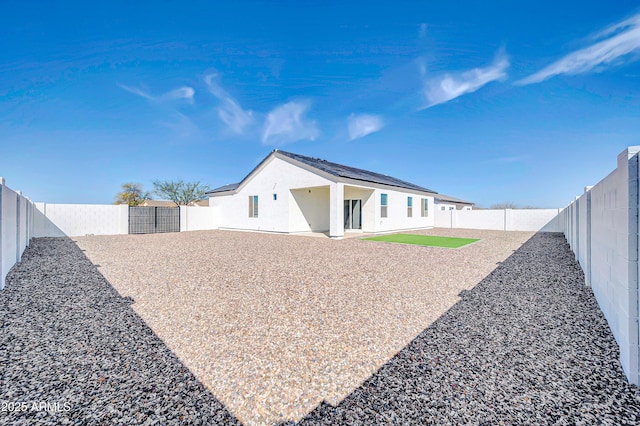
[22, 219]
[16, 226]
[537, 220]
[602, 227]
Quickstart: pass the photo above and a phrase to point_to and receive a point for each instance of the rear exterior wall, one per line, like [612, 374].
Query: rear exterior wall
[274, 177]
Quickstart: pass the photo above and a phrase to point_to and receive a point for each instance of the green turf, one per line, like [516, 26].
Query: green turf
[424, 240]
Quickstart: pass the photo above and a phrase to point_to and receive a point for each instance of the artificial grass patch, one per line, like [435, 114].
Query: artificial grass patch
[424, 240]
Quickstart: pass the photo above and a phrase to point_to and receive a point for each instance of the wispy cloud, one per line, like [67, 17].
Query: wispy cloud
[287, 124]
[229, 111]
[616, 41]
[443, 89]
[181, 126]
[137, 91]
[361, 125]
[184, 92]
[422, 30]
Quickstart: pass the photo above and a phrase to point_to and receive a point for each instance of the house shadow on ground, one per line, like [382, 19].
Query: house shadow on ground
[527, 345]
[73, 346]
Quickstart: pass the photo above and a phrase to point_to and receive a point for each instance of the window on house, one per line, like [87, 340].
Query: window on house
[409, 206]
[442, 208]
[275, 197]
[383, 205]
[253, 206]
[425, 207]
[452, 208]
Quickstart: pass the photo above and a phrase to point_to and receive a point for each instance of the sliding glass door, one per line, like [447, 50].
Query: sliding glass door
[352, 214]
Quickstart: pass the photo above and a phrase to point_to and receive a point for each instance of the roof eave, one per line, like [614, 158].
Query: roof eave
[219, 193]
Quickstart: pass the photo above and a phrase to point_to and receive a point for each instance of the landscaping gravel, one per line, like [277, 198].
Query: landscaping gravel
[72, 351]
[272, 328]
[528, 345]
[275, 324]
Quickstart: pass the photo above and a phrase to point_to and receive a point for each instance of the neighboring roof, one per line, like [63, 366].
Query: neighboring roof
[446, 198]
[164, 203]
[157, 203]
[334, 169]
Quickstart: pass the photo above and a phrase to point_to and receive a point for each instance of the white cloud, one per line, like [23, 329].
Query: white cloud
[229, 111]
[181, 126]
[362, 125]
[620, 39]
[443, 89]
[287, 124]
[137, 91]
[184, 92]
[422, 31]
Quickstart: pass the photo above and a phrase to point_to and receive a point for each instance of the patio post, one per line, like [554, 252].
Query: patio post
[336, 210]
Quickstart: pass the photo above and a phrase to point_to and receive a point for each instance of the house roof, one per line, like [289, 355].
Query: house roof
[223, 188]
[157, 203]
[335, 169]
[354, 173]
[201, 203]
[446, 198]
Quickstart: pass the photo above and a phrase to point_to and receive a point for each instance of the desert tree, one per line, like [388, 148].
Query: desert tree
[180, 192]
[132, 194]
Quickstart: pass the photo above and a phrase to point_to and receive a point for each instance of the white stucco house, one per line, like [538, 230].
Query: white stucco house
[293, 193]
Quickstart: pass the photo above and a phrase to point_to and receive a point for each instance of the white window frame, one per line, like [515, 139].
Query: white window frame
[384, 204]
[424, 207]
[253, 205]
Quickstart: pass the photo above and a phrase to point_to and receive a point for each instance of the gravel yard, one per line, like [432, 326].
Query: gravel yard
[273, 325]
[73, 347]
[528, 345]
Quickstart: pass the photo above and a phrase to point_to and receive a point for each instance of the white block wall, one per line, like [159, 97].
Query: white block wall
[479, 219]
[16, 219]
[602, 228]
[73, 220]
[542, 220]
[198, 218]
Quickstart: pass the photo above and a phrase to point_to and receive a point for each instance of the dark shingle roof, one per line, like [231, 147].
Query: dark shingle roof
[334, 169]
[354, 173]
[228, 187]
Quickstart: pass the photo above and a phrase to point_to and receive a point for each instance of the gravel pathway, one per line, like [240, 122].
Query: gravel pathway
[72, 351]
[275, 324]
[528, 345]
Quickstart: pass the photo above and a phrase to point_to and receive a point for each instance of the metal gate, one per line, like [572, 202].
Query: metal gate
[150, 220]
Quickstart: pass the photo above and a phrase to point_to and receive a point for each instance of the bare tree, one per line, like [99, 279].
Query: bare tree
[180, 192]
[132, 194]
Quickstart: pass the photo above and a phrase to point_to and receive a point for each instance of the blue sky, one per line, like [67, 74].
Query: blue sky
[496, 101]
